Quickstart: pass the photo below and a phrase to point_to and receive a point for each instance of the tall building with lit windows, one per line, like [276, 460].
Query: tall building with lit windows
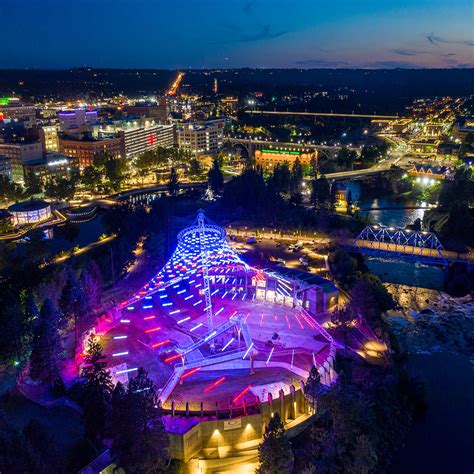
[201, 139]
[141, 135]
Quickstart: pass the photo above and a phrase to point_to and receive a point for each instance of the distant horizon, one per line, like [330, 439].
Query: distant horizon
[287, 68]
[52, 34]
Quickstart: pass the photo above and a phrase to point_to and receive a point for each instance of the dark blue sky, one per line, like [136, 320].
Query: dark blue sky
[236, 33]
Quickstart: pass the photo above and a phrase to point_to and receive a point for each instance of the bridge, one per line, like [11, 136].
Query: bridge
[323, 114]
[251, 145]
[392, 242]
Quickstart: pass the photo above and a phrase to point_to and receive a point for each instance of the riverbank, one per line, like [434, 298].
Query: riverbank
[432, 321]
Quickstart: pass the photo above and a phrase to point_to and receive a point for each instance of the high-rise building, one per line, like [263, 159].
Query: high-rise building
[201, 139]
[157, 110]
[76, 118]
[141, 135]
[49, 137]
[216, 86]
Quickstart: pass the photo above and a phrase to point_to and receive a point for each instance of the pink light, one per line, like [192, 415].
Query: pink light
[146, 318]
[310, 324]
[241, 394]
[299, 322]
[261, 320]
[169, 359]
[158, 344]
[191, 372]
[214, 385]
[288, 321]
[153, 330]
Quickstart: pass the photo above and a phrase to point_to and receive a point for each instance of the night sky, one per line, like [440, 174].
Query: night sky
[237, 33]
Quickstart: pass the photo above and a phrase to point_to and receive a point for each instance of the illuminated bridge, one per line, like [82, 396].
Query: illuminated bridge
[391, 242]
[323, 114]
[250, 146]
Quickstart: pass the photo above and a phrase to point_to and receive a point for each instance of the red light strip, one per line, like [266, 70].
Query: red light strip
[158, 344]
[288, 321]
[153, 330]
[299, 322]
[310, 324]
[191, 372]
[148, 317]
[169, 359]
[214, 385]
[261, 320]
[241, 394]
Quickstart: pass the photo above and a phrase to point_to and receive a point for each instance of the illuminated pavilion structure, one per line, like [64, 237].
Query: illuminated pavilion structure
[207, 310]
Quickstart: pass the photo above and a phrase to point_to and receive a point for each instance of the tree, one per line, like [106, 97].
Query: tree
[33, 184]
[140, 442]
[313, 386]
[296, 177]
[46, 347]
[173, 183]
[194, 167]
[342, 317]
[343, 267]
[92, 288]
[97, 391]
[74, 303]
[274, 453]
[281, 178]
[9, 191]
[215, 177]
[115, 169]
[31, 450]
[62, 189]
[320, 192]
[369, 298]
[91, 177]
[14, 334]
[345, 157]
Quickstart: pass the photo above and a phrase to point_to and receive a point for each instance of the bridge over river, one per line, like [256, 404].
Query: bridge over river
[418, 246]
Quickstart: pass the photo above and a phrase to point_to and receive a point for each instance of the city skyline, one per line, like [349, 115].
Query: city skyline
[245, 33]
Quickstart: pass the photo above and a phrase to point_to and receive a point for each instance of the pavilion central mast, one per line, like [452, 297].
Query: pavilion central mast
[201, 228]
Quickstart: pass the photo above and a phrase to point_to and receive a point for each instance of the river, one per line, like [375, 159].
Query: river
[396, 216]
[444, 442]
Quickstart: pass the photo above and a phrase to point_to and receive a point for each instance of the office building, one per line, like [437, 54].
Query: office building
[157, 110]
[141, 135]
[19, 153]
[201, 139]
[11, 109]
[53, 165]
[85, 147]
[49, 137]
[267, 159]
[76, 119]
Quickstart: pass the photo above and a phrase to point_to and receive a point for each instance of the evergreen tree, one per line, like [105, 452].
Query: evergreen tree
[215, 177]
[312, 387]
[296, 177]
[173, 184]
[46, 347]
[13, 349]
[274, 453]
[320, 192]
[74, 303]
[194, 167]
[97, 391]
[140, 442]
